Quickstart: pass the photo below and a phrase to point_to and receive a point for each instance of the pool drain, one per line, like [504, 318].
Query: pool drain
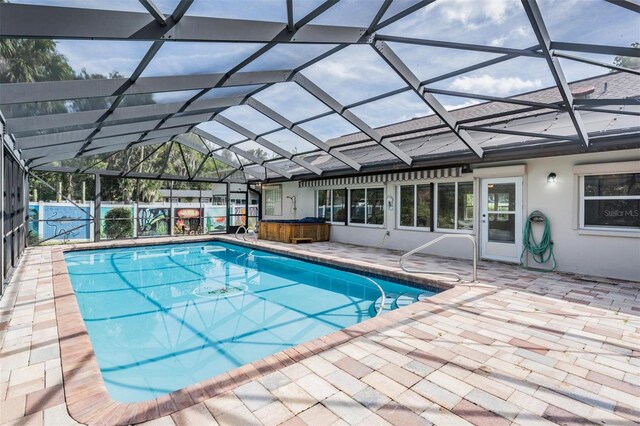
[213, 291]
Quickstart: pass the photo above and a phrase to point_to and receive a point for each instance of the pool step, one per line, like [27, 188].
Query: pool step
[423, 296]
[394, 301]
[389, 302]
[405, 299]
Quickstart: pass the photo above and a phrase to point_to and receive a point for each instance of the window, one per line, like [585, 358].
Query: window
[465, 206]
[339, 210]
[454, 205]
[367, 206]
[330, 204]
[324, 204]
[407, 205]
[446, 205]
[415, 206]
[272, 200]
[501, 212]
[611, 201]
[375, 206]
[357, 205]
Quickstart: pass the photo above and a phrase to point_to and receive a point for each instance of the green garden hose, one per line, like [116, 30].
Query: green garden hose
[541, 252]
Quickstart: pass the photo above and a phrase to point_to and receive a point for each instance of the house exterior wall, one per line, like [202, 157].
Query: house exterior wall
[600, 253]
[305, 202]
[612, 254]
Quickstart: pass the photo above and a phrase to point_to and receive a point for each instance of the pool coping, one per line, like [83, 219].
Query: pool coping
[86, 395]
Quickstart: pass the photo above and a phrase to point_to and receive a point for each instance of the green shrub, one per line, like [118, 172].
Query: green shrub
[118, 223]
[32, 238]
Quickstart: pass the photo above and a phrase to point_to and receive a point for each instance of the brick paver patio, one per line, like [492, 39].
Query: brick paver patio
[518, 347]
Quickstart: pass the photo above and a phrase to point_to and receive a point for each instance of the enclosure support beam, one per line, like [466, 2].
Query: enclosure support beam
[267, 144]
[389, 56]
[118, 173]
[2, 233]
[460, 46]
[240, 152]
[141, 112]
[65, 23]
[181, 139]
[41, 91]
[279, 38]
[609, 111]
[284, 122]
[96, 212]
[595, 48]
[631, 5]
[508, 131]
[540, 30]
[514, 101]
[402, 14]
[607, 101]
[596, 63]
[154, 11]
[337, 107]
[474, 67]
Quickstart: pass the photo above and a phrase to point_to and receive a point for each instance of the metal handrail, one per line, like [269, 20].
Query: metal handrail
[432, 242]
[383, 297]
[243, 234]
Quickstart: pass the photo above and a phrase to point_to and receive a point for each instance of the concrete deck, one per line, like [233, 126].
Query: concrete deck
[518, 347]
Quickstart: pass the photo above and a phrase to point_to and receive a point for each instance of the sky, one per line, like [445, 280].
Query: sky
[357, 72]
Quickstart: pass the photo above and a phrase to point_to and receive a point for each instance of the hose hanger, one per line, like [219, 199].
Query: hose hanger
[541, 252]
[537, 217]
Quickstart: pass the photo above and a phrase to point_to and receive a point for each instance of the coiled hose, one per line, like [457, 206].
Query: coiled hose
[541, 252]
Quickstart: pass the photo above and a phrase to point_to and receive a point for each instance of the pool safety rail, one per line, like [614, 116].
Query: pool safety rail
[245, 233]
[383, 296]
[434, 241]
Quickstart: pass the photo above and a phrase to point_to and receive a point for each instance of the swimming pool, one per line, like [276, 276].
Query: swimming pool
[163, 317]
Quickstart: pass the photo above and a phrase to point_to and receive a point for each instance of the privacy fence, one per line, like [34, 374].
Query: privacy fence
[60, 222]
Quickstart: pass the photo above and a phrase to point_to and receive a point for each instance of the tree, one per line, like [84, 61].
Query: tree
[628, 61]
[118, 223]
[30, 60]
[27, 60]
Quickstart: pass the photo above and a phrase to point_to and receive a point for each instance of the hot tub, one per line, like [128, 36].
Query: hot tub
[286, 230]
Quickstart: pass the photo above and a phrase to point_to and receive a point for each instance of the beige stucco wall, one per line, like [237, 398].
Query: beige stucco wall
[608, 254]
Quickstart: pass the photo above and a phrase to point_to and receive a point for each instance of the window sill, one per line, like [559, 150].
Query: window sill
[364, 225]
[412, 228]
[627, 233]
[454, 231]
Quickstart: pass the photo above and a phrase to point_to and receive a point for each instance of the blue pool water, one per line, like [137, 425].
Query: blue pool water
[163, 317]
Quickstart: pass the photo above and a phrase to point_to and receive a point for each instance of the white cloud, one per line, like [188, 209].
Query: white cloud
[475, 14]
[517, 33]
[353, 74]
[451, 107]
[498, 41]
[394, 109]
[488, 85]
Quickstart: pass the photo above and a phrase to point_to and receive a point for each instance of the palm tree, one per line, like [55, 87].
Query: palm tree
[27, 60]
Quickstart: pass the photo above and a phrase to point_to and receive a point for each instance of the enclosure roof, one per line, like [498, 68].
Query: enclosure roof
[297, 89]
[611, 85]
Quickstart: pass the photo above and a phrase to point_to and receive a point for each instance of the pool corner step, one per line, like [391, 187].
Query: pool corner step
[424, 296]
[405, 300]
[389, 303]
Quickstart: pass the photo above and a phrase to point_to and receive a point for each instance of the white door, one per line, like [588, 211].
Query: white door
[501, 219]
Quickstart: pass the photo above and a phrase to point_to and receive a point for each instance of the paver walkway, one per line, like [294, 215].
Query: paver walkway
[519, 347]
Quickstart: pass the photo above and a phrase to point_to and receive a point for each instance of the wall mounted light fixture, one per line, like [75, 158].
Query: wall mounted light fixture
[551, 178]
[390, 202]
